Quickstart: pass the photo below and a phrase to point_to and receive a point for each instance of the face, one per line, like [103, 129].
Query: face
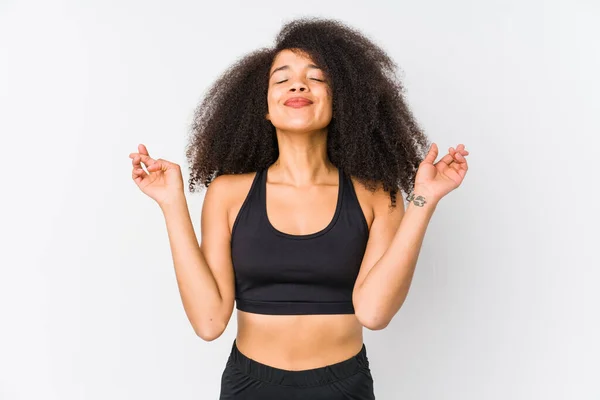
[299, 98]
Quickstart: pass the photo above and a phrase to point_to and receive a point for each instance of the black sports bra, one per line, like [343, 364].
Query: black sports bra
[280, 273]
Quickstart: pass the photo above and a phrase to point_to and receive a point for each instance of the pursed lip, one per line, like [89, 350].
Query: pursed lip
[297, 101]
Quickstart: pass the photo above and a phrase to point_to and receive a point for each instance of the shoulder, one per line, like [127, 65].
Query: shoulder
[377, 203]
[230, 191]
[229, 184]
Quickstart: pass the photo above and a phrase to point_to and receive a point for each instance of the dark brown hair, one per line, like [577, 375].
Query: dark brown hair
[372, 136]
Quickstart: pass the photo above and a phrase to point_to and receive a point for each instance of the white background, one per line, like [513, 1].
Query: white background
[505, 299]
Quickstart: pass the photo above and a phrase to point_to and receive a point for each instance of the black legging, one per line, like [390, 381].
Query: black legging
[244, 378]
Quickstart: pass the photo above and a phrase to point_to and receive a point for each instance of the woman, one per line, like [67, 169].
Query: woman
[302, 148]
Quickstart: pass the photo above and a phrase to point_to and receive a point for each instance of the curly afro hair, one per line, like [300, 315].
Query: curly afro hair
[372, 135]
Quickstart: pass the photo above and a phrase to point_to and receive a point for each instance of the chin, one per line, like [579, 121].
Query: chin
[300, 126]
[301, 129]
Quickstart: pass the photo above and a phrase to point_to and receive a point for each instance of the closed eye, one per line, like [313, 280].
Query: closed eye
[314, 79]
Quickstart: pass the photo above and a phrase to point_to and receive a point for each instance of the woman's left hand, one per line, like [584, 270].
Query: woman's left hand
[434, 181]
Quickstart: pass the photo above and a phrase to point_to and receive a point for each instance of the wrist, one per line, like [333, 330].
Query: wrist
[421, 197]
[175, 201]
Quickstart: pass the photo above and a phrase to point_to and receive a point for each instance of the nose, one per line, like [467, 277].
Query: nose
[299, 86]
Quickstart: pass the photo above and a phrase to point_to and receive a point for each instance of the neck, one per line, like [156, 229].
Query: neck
[303, 159]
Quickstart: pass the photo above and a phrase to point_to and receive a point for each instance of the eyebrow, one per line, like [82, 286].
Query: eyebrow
[284, 67]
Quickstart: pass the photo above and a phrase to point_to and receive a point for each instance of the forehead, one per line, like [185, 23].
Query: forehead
[289, 57]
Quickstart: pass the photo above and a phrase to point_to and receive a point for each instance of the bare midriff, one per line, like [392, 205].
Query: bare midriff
[298, 342]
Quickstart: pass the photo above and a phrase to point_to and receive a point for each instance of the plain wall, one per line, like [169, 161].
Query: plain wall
[504, 301]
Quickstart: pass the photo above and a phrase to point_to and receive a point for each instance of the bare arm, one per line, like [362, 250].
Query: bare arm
[204, 273]
[390, 258]
[395, 239]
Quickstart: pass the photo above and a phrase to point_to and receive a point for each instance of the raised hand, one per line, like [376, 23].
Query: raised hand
[163, 181]
[434, 181]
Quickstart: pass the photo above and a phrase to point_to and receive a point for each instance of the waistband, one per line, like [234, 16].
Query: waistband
[294, 307]
[308, 377]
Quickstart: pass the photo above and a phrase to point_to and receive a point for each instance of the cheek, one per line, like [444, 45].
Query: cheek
[325, 93]
[273, 95]
[327, 101]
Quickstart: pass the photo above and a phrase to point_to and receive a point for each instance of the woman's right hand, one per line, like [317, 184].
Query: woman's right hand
[163, 182]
